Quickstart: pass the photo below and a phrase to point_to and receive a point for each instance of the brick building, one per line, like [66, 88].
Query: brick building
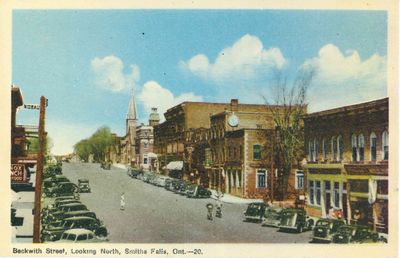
[347, 167]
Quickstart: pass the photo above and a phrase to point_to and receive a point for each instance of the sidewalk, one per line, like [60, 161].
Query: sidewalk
[227, 198]
[119, 165]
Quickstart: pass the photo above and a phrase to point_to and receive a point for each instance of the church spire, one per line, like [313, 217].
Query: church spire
[132, 115]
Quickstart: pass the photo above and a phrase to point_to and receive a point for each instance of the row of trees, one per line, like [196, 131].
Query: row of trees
[96, 145]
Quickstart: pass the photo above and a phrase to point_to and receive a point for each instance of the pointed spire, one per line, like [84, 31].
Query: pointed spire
[132, 115]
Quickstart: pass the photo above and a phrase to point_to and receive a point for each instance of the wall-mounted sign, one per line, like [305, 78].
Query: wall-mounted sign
[18, 173]
[32, 106]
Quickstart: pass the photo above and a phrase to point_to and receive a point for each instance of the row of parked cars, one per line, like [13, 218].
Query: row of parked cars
[66, 218]
[178, 186]
[325, 230]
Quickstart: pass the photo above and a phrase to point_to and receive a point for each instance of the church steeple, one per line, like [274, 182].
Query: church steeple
[132, 115]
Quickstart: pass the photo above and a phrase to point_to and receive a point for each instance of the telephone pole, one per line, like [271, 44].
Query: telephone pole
[39, 171]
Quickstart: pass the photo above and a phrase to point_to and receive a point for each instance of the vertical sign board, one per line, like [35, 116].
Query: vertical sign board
[18, 173]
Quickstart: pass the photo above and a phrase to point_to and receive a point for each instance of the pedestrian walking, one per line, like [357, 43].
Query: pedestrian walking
[122, 203]
[209, 207]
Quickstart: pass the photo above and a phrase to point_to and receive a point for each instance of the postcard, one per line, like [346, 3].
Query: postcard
[199, 129]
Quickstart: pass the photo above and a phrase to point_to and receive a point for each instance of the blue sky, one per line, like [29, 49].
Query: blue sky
[87, 61]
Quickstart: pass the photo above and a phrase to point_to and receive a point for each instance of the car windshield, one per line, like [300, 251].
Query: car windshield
[254, 206]
[347, 230]
[322, 223]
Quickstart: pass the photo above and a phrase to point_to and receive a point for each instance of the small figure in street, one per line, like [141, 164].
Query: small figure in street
[357, 216]
[209, 207]
[218, 210]
[122, 207]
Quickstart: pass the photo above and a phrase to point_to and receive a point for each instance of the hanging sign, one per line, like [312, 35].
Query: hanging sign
[18, 173]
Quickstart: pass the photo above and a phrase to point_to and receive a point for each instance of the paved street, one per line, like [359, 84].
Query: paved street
[153, 214]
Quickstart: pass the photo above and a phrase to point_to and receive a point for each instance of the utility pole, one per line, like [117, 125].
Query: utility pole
[39, 170]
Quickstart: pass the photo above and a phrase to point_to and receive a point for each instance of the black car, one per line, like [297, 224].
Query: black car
[295, 220]
[325, 229]
[356, 234]
[198, 191]
[84, 186]
[61, 189]
[255, 212]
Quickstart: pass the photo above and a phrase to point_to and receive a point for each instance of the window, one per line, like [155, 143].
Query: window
[373, 146]
[311, 191]
[299, 179]
[261, 178]
[145, 160]
[324, 152]
[81, 237]
[256, 152]
[310, 151]
[318, 192]
[359, 185]
[385, 145]
[241, 152]
[354, 147]
[334, 148]
[340, 147]
[239, 172]
[360, 147]
[234, 153]
[336, 194]
[316, 149]
[234, 178]
[145, 144]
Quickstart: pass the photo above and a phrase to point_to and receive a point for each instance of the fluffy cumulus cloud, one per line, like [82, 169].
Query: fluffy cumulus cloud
[344, 78]
[155, 95]
[109, 73]
[246, 59]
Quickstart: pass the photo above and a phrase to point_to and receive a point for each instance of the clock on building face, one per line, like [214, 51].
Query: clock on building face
[233, 120]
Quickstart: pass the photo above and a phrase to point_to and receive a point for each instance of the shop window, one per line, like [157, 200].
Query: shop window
[373, 146]
[385, 145]
[239, 178]
[318, 192]
[359, 185]
[354, 147]
[261, 178]
[336, 195]
[299, 179]
[382, 187]
[334, 148]
[234, 178]
[361, 147]
[311, 191]
[256, 152]
[340, 147]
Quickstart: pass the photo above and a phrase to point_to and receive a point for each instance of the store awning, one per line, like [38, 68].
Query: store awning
[175, 165]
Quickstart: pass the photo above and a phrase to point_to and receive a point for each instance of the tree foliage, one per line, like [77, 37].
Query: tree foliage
[289, 140]
[97, 145]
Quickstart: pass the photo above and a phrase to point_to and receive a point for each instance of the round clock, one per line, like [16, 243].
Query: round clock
[233, 120]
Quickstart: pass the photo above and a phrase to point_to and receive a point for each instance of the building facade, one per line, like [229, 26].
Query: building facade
[347, 162]
[127, 144]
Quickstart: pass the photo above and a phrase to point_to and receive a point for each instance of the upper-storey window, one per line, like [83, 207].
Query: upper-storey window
[385, 145]
[311, 151]
[256, 152]
[361, 147]
[372, 140]
[315, 149]
[334, 148]
[354, 147]
[324, 150]
[340, 147]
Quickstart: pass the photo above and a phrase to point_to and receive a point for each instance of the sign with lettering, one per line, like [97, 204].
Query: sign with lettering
[32, 106]
[18, 173]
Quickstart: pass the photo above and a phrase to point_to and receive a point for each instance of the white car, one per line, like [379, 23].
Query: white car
[160, 181]
[79, 235]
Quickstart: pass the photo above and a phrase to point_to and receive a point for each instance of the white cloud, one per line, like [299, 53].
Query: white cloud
[155, 95]
[109, 73]
[343, 78]
[246, 59]
[64, 135]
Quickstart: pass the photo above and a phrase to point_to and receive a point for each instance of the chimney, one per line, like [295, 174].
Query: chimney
[234, 105]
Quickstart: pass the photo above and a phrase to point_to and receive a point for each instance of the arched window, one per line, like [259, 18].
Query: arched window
[372, 144]
[361, 147]
[334, 148]
[340, 147]
[354, 147]
[385, 145]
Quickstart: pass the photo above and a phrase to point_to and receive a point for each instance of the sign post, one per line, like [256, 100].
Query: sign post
[39, 171]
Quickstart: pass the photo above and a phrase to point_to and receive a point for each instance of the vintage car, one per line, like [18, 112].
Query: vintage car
[84, 186]
[255, 212]
[79, 235]
[72, 207]
[272, 217]
[295, 220]
[54, 232]
[324, 229]
[105, 165]
[133, 172]
[171, 183]
[198, 191]
[80, 213]
[178, 186]
[54, 180]
[61, 189]
[160, 181]
[356, 234]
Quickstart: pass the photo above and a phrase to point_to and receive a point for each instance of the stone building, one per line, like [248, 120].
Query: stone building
[128, 155]
[347, 162]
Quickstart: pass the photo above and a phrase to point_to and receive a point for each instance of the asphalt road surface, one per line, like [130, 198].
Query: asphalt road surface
[155, 215]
